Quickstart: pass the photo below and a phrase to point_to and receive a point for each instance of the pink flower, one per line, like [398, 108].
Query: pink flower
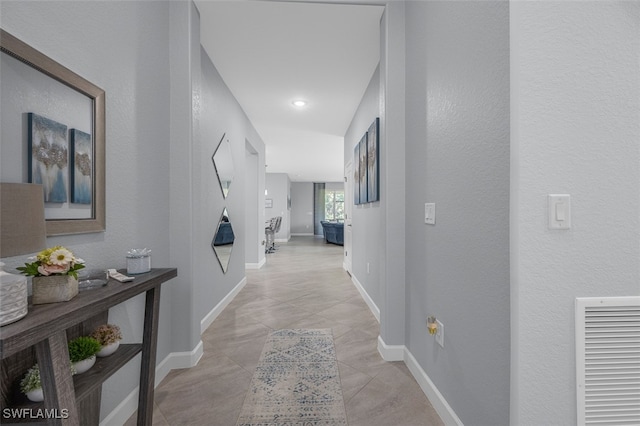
[47, 270]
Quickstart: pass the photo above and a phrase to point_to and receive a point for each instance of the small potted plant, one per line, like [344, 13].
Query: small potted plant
[31, 385]
[109, 336]
[82, 352]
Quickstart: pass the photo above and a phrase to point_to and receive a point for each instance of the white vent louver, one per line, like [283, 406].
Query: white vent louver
[608, 360]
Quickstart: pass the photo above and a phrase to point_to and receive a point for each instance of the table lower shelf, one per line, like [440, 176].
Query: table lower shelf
[84, 384]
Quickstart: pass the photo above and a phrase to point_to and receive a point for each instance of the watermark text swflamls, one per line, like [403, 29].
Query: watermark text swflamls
[35, 413]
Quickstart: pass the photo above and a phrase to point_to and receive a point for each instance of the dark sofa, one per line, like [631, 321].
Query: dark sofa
[224, 235]
[333, 232]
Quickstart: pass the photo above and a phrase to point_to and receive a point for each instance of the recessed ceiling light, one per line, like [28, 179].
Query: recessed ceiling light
[299, 103]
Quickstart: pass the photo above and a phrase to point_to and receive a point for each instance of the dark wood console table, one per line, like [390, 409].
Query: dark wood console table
[42, 336]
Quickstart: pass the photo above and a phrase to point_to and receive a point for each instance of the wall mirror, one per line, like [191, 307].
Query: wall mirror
[223, 163]
[53, 133]
[223, 239]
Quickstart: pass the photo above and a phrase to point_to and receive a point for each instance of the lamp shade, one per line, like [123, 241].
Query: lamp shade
[22, 224]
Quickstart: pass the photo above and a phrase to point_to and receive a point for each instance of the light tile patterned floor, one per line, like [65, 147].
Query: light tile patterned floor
[302, 285]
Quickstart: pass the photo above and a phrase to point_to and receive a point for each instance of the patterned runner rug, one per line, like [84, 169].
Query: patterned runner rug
[296, 382]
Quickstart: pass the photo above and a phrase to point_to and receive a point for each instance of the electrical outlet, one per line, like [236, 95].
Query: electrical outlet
[367, 267]
[440, 333]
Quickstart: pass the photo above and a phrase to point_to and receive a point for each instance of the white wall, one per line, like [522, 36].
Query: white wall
[367, 245]
[184, 64]
[301, 208]
[573, 101]
[220, 114]
[457, 121]
[392, 255]
[254, 207]
[125, 52]
[302, 205]
[165, 108]
[334, 186]
[575, 127]
[279, 190]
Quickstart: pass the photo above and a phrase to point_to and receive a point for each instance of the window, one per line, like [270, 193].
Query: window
[334, 205]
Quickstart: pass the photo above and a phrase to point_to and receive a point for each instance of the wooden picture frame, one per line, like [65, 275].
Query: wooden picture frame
[363, 169]
[373, 166]
[356, 174]
[29, 56]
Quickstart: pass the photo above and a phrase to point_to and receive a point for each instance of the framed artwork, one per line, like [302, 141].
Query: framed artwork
[268, 203]
[356, 174]
[81, 167]
[48, 159]
[373, 168]
[52, 95]
[362, 166]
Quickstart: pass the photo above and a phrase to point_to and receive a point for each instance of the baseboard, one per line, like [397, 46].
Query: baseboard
[368, 300]
[208, 319]
[302, 234]
[179, 360]
[173, 361]
[390, 352]
[123, 411]
[441, 406]
[256, 265]
[282, 240]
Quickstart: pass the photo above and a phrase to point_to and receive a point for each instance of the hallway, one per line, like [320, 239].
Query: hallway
[302, 285]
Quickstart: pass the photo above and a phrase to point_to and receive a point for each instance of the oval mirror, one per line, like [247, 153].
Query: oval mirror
[223, 163]
[223, 239]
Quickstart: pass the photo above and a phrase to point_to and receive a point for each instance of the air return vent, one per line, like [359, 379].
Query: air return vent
[608, 360]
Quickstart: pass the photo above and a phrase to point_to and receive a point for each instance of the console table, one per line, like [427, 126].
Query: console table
[42, 336]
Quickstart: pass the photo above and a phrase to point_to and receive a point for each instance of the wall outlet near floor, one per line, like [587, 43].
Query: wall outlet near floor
[367, 267]
[440, 333]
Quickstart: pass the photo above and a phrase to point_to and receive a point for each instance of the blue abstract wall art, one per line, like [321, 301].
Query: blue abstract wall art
[373, 191]
[48, 157]
[81, 167]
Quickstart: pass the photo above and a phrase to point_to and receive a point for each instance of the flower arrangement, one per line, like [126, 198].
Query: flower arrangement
[53, 261]
[107, 334]
[82, 348]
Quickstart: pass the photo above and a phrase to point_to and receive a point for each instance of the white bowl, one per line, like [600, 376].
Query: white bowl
[108, 350]
[84, 365]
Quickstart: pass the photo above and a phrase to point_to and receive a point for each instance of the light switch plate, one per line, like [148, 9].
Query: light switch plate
[559, 206]
[430, 213]
[440, 334]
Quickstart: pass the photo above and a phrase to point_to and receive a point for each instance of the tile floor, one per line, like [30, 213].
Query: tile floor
[302, 285]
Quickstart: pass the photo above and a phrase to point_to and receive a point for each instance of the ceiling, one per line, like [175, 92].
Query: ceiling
[271, 53]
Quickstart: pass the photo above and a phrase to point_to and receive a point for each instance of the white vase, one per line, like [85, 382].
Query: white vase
[35, 395]
[13, 297]
[108, 350]
[84, 365]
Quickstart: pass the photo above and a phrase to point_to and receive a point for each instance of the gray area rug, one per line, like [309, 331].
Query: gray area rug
[296, 382]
